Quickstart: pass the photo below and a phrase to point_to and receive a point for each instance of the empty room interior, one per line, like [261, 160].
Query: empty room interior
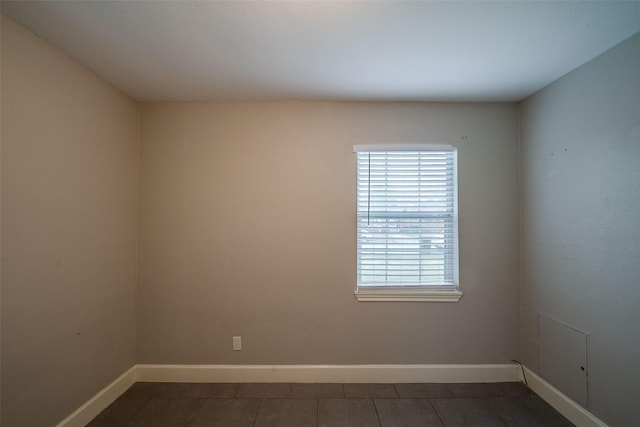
[177, 174]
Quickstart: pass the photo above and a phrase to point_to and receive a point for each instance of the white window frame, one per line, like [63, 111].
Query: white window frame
[430, 293]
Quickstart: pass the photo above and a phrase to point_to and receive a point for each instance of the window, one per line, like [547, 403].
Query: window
[407, 223]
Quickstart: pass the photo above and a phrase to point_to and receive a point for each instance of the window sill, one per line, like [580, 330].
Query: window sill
[408, 295]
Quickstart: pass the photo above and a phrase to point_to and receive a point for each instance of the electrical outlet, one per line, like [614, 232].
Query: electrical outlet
[237, 343]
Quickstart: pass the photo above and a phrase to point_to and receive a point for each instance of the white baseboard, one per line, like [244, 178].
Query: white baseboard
[105, 397]
[562, 403]
[290, 373]
[330, 373]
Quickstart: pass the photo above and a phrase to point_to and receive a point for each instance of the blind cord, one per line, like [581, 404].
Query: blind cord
[369, 190]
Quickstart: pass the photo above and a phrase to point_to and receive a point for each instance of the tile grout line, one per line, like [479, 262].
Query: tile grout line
[375, 407]
[395, 386]
[255, 417]
[485, 400]
[195, 417]
[435, 411]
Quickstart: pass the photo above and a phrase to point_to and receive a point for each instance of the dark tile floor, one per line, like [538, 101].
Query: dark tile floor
[302, 405]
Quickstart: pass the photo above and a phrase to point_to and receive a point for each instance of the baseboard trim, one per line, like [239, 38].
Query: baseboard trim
[329, 373]
[105, 397]
[289, 373]
[561, 402]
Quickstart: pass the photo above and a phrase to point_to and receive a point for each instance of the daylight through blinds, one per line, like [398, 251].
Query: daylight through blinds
[407, 219]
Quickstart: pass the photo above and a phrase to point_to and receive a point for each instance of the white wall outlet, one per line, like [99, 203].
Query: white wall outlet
[237, 343]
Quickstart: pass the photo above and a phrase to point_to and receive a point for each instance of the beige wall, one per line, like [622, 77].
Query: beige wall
[69, 232]
[581, 221]
[248, 228]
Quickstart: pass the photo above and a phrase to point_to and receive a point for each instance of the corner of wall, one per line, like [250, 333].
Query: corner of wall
[137, 279]
[519, 139]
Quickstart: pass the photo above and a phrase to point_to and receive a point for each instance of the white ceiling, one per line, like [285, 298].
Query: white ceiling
[330, 50]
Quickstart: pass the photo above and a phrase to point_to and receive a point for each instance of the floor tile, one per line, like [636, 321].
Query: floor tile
[466, 413]
[227, 413]
[102, 422]
[426, 390]
[264, 390]
[406, 413]
[167, 412]
[210, 390]
[347, 413]
[156, 391]
[529, 411]
[317, 391]
[287, 413]
[515, 389]
[380, 391]
[477, 390]
[119, 413]
[509, 404]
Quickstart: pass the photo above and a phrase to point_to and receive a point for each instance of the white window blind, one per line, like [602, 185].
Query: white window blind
[407, 217]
